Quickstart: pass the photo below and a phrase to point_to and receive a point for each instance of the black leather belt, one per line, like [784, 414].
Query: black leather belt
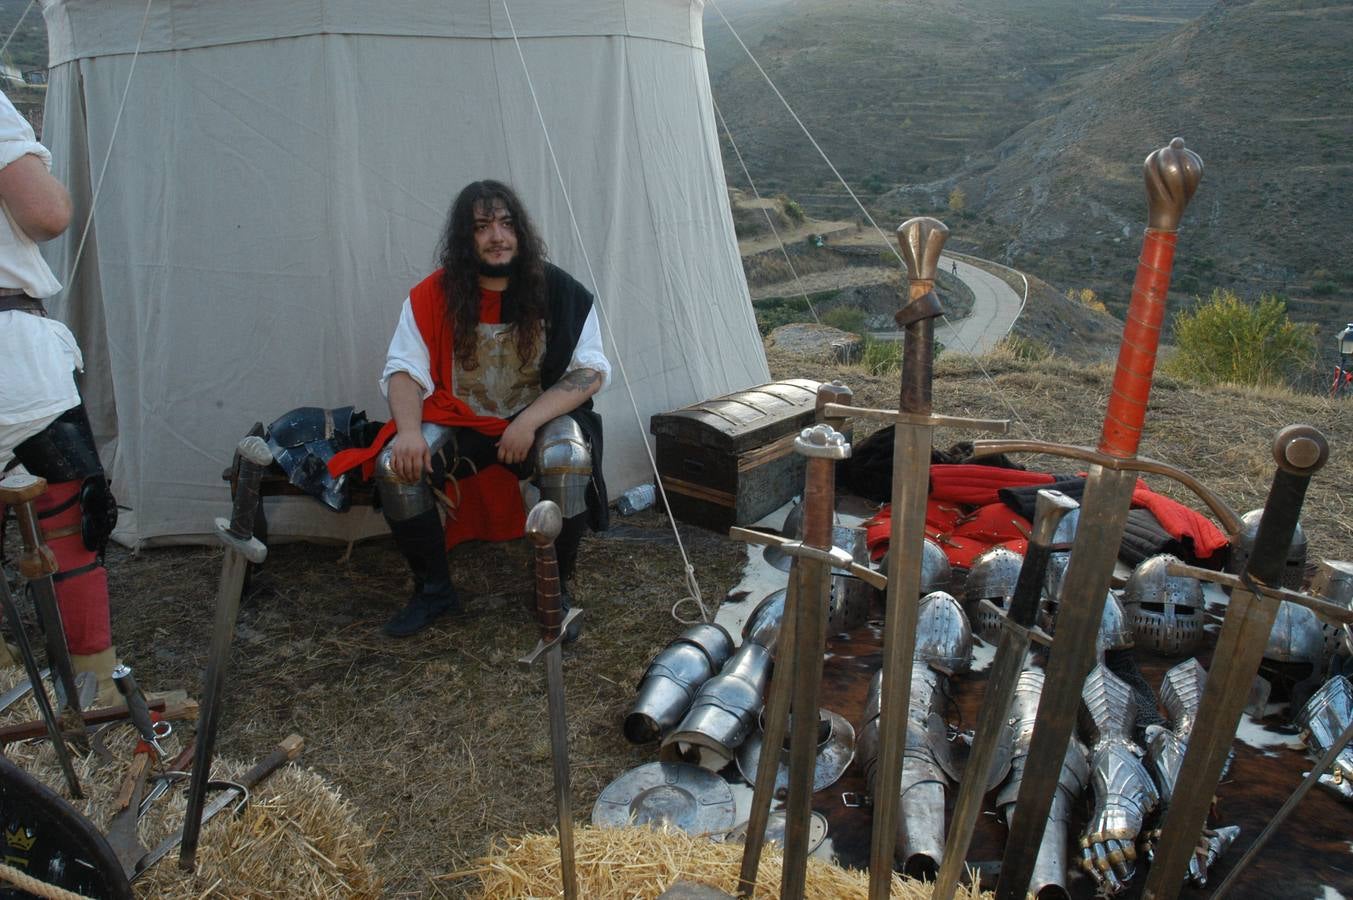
[16, 299]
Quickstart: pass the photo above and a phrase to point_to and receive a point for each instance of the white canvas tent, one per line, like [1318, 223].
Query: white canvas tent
[278, 180]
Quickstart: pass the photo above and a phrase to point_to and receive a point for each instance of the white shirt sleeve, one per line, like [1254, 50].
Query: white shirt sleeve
[588, 354]
[17, 138]
[408, 353]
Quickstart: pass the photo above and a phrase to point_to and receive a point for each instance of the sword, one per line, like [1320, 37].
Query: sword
[242, 548]
[1011, 648]
[39, 691]
[1172, 174]
[542, 526]
[290, 748]
[807, 591]
[1300, 451]
[921, 240]
[37, 566]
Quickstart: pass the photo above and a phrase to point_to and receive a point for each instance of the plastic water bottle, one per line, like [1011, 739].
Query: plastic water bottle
[636, 499]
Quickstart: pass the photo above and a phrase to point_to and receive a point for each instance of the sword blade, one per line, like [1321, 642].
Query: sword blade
[233, 569]
[911, 479]
[1300, 451]
[1104, 510]
[554, 683]
[19, 691]
[772, 738]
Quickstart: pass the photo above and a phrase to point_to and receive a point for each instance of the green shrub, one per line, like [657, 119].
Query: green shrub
[1026, 348]
[1324, 288]
[847, 318]
[881, 357]
[773, 312]
[1226, 339]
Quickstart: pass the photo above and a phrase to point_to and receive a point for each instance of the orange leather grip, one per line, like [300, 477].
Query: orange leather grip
[1137, 353]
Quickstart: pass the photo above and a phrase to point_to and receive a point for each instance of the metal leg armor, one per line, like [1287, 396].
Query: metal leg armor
[926, 768]
[1322, 720]
[676, 673]
[1049, 877]
[724, 710]
[1123, 790]
[402, 500]
[563, 465]
[1181, 691]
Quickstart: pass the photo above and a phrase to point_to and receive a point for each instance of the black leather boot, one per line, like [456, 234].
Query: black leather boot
[423, 543]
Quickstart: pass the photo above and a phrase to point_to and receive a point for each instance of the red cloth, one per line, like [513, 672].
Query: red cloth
[976, 485]
[489, 506]
[1181, 521]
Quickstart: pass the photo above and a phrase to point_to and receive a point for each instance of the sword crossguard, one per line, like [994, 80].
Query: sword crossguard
[1316, 605]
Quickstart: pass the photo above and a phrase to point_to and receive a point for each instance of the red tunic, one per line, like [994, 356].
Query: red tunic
[488, 505]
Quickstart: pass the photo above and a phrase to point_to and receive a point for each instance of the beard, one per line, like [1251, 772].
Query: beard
[498, 270]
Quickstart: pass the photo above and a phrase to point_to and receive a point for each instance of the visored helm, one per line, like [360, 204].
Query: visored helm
[992, 577]
[1166, 611]
[1294, 570]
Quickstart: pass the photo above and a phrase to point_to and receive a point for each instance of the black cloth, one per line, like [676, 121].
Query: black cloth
[868, 471]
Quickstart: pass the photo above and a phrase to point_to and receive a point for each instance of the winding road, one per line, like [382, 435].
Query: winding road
[996, 306]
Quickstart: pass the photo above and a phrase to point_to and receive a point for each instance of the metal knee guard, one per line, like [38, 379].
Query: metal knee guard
[563, 464]
[402, 500]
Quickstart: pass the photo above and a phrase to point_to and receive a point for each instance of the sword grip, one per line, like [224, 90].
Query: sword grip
[20, 491]
[1172, 174]
[137, 709]
[543, 525]
[1300, 452]
[253, 457]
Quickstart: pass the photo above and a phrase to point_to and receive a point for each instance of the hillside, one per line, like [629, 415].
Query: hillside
[1041, 112]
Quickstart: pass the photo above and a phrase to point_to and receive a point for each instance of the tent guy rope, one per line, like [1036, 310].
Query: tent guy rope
[891, 245]
[15, 30]
[691, 583]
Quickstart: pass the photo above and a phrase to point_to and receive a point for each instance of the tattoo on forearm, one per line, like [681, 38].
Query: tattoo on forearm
[579, 380]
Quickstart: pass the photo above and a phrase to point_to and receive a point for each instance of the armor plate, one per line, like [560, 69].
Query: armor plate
[1166, 611]
[1108, 709]
[1322, 720]
[835, 750]
[1334, 582]
[725, 708]
[303, 441]
[563, 465]
[676, 673]
[763, 625]
[1181, 691]
[665, 794]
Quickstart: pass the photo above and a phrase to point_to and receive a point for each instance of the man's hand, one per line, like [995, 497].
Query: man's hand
[410, 456]
[516, 442]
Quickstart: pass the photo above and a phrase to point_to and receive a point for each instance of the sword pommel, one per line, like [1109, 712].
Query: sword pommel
[822, 442]
[1300, 450]
[252, 457]
[544, 522]
[1049, 509]
[921, 239]
[1172, 175]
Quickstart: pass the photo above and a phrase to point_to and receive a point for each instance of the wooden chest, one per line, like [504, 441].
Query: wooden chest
[729, 461]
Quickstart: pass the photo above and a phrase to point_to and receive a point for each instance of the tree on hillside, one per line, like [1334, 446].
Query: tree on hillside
[1226, 339]
[958, 200]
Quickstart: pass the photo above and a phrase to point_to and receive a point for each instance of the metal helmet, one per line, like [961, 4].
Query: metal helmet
[723, 711]
[563, 465]
[1115, 632]
[992, 577]
[665, 794]
[936, 572]
[793, 524]
[672, 679]
[1297, 636]
[849, 604]
[943, 635]
[1334, 582]
[1294, 571]
[1166, 611]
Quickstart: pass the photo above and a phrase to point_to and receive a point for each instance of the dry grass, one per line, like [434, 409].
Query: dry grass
[624, 863]
[297, 839]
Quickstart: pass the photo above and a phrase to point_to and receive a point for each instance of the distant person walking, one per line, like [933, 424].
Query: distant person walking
[955, 267]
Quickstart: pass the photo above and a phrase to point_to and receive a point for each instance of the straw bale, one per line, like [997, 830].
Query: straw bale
[625, 863]
[297, 838]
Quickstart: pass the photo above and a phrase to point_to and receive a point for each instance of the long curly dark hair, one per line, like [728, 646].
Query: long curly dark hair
[524, 299]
